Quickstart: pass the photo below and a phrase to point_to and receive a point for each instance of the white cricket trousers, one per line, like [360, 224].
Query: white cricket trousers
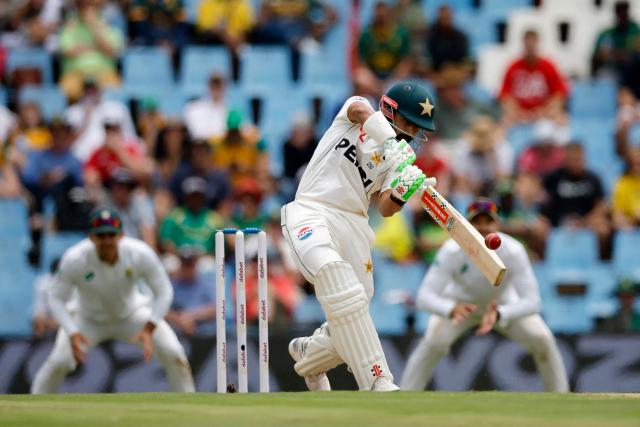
[166, 348]
[530, 331]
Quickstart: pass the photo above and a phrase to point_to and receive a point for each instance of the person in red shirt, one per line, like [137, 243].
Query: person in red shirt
[117, 151]
[533, 87]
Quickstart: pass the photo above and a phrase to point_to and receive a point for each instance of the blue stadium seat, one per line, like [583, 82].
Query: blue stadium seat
[626, 247]
[602, 282]
[501, 8]
[266, 69]
[31, 57]
[146, 71]
[568, 315]
[431, 7]
[520, 137]
[14, 217]
[597, 98]
[16, 296]
[197, 65]
[55, 244]
[191, 7]
[322, 72]
[571, 250]
[597, 137]
[3, 96]
[117, 95]
[172, 103]
[309, 311]
[50, 99]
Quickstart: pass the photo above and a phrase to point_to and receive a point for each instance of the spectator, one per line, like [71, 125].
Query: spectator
[192, 224]
[225, 22]
[172, 149]
[384, 49]
[117, 151]
[149, 122]
[199, 164]
[297, 151]
[54, 169]
[446, 45]
[158, 23]
[456, 111]
[520, 208]
[626, 193]
[627, 319]
[575, 197]
[409, 14]
[44, 323]
[134, 206]
[31, 23]
[293, 22]
[546, 155]
[87, 118]
[247, 209]
[532, 87]
[193, 310]
[205, 117]
[483, 159]
[89, 48]
[615, 45]
[433, 163]
[31, 134]
[9, 182]
[241, 153]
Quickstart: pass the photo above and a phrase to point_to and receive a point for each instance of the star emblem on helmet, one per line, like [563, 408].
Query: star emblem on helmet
[426, 107]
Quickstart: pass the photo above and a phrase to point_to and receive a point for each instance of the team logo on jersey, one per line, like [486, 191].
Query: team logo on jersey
[89, 276]
[376, 159]
[376, 370]
[305, 233]
[128, 273]
[464, 268]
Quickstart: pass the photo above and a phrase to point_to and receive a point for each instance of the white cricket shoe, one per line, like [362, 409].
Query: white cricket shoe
[384, 384]
[319, 382]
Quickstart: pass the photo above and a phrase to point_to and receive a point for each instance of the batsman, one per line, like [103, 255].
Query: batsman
[364, 154]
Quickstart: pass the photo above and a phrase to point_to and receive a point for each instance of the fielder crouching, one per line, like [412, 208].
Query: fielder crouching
[104, 270]
[459, 297]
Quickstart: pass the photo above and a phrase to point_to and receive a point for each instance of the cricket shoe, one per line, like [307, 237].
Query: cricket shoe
[319, 382]
[384, 384]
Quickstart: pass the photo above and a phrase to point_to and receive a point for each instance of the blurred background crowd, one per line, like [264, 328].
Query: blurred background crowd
[192, 115]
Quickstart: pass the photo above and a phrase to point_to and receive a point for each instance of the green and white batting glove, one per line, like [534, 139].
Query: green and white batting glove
[398, 155]
[408, 181]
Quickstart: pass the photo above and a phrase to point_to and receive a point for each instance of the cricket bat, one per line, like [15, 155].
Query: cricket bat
[465, 235]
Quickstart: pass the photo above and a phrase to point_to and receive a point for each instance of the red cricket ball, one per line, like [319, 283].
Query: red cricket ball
[493, 241]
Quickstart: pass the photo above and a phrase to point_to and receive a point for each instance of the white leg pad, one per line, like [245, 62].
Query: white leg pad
[320, 355]
[353, 333]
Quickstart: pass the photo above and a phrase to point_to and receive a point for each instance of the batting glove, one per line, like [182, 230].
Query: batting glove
[398, 154]
[408, 181]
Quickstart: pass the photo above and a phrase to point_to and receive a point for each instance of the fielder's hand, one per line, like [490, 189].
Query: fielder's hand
[79, 344]
[144, 338]
[489, 318]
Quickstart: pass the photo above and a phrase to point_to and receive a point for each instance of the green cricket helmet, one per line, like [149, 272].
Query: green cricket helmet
[413, 101]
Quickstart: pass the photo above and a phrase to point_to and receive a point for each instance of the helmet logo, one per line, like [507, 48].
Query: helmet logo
[426, 107]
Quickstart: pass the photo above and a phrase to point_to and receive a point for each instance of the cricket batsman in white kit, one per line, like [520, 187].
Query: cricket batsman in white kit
[459, 297]
[104, 270]
[363, 154]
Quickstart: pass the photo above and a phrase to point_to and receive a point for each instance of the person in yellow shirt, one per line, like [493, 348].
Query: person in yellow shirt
[240, 152]
[626, 194]
[225, 21]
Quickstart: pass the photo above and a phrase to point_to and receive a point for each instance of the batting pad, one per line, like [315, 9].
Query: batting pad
[320, 355]
[353, 334]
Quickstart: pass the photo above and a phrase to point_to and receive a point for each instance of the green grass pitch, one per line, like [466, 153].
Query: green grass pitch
[333, 409]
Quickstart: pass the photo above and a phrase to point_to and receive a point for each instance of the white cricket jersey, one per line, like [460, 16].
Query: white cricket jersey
[454, 278]
[346, 168]
[109, 292]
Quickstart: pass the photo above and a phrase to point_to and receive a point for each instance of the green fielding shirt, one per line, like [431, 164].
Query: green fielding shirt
[75, 33]
[185, 228]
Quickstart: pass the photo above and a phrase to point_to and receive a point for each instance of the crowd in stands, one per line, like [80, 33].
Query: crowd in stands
[176, 177]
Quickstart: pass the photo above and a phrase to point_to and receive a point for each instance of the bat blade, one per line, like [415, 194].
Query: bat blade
[464, 234]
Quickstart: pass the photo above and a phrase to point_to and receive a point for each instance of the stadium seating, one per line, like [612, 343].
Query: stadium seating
[596, 98]
[198, 63]
[31, 58]
[3, 97]
[50, 99]
[55, 244]
[626, 248]
[266, 70]
[309, 312]
[147, 71]
[570, 252]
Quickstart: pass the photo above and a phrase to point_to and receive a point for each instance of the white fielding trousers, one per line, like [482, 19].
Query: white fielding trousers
[166, 348]
[530, 331]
